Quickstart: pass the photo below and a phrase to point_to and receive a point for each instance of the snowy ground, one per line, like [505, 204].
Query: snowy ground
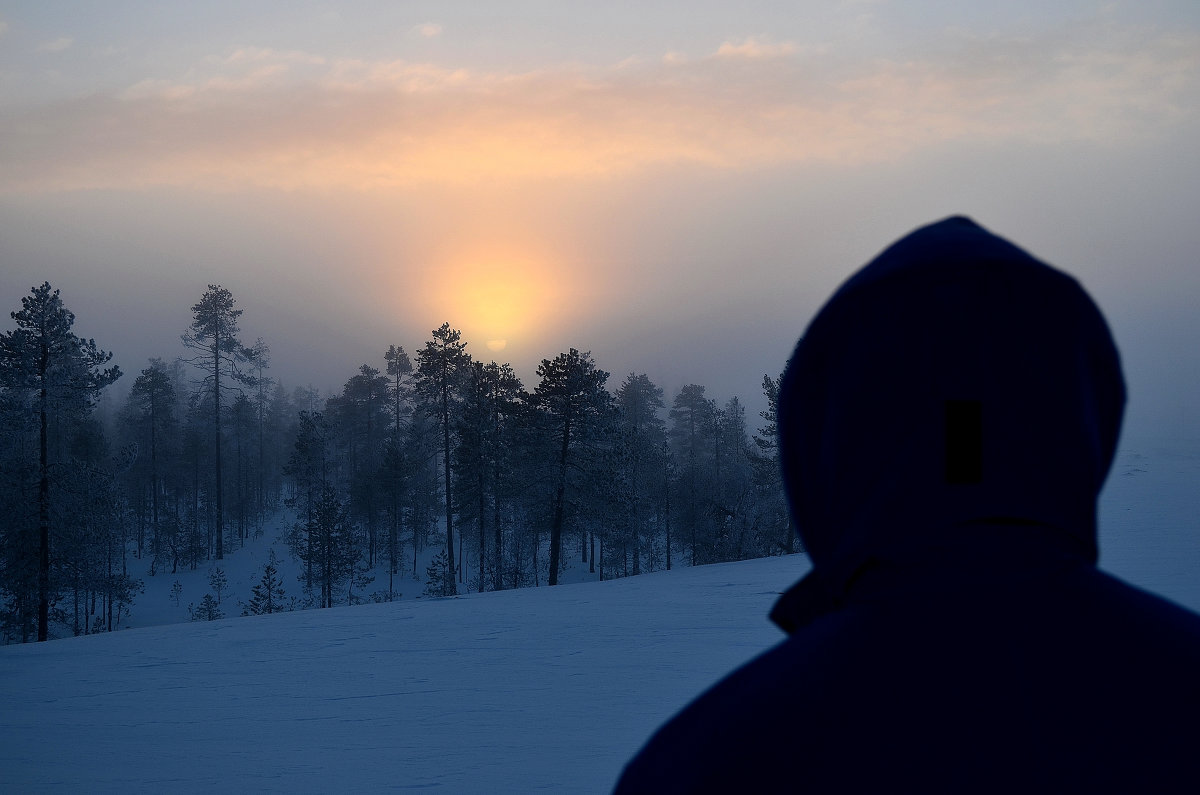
[1150, 519]
[544, 689]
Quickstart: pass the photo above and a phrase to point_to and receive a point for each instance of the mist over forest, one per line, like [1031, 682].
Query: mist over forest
[624, 220]
[427, 458]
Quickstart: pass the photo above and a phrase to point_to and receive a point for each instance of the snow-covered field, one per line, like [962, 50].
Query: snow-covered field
[545, 689]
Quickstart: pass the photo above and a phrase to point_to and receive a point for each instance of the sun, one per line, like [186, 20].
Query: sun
[497, 298]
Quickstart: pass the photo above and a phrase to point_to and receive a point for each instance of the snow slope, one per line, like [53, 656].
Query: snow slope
[543, 689]
[546, 689]
[1150, 519]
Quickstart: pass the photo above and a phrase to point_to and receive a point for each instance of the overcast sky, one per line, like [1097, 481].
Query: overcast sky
[674, 186]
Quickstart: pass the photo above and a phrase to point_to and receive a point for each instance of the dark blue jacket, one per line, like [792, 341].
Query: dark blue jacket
[946, 424]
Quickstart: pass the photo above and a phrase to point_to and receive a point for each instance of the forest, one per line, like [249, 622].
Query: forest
[499, 484]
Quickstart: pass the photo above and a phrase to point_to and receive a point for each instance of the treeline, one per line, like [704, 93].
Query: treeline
[438, 453]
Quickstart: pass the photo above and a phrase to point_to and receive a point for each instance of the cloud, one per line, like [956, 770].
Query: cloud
[3, 26]
[428, 30]
[57, 45]
[292, 120]
[753, 48]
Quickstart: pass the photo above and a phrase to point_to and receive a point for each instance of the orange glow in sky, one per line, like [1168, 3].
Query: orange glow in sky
[497, 298]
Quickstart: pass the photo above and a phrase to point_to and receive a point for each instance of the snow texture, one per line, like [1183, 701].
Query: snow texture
[547, 689]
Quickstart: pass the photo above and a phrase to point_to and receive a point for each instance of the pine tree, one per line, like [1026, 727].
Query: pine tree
[261, 361]
[768, 479]
[333, 552]
[491, 401]
[308, 467]
[441, 366]
[44, 357]
[213, 334]
[359, 420]
[267, 596]
[395, 469]
[692, 430]
[209, 609]
[218, 581]
[642, 436]
[152, 402]
[572, 399]
[439, 577]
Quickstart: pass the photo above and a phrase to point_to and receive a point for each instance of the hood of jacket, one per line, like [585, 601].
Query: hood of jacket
[954, 392]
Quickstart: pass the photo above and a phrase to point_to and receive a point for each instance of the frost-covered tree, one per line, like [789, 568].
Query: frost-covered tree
[44, 359]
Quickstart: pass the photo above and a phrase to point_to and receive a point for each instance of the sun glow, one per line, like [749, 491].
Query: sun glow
[498, 300]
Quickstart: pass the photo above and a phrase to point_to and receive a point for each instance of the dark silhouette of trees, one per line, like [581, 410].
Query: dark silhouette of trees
[642, 434]
[575, 406]
[308, 467]
[691, 438]
[333, 552]
[59, 369]
[368, 471]
[441, 366]
[213, 336]
[266, 596]
[489, 411]
[152, 402]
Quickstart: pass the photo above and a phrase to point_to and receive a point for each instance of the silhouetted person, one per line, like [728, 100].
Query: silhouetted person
[946, 424]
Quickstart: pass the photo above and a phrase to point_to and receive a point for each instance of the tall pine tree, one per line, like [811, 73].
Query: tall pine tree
[575, 405]
[44, 357]
[441, 366]
[213, 335]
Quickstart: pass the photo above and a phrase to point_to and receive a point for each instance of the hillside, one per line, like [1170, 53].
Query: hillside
[547, 688]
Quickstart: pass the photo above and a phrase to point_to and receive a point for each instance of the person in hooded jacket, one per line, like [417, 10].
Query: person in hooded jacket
[946, 424]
